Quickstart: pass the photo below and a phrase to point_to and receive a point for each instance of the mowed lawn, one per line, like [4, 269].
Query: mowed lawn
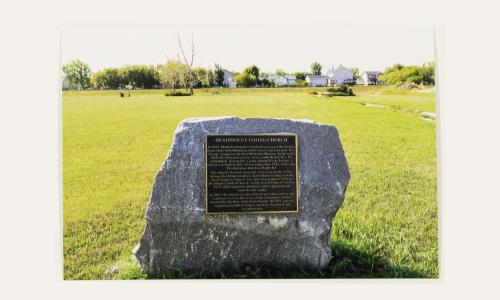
[113, 147]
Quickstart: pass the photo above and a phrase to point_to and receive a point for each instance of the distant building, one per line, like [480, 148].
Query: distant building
[340, 76]
[282, 80]
[229, 79]
[317, 80]
[370, 77]
[66, 84]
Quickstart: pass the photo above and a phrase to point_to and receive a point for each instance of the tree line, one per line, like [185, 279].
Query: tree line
[173, 74]
[177, 74]
[398, 74]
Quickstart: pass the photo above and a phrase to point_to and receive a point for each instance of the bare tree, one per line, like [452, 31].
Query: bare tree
[189, 78]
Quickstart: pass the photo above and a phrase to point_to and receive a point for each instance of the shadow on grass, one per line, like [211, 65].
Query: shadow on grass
[347, 262]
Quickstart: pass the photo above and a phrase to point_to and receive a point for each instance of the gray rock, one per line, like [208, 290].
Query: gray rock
[179, 235]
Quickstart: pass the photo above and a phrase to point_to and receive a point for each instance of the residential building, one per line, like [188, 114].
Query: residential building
[340, 76]
[370, 77]
[229, 79]
[282, 80]
[317, 80]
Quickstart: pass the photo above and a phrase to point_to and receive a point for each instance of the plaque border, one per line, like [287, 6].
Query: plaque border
[205, 149]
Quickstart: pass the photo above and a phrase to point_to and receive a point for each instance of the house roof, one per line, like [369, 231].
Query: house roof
[333, 70]
[317, 77]
[287, 77]
[372, 72]
[341, 67]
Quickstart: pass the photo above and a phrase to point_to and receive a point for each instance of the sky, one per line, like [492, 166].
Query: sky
[291, 47]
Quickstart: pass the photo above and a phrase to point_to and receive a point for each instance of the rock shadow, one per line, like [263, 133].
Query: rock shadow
[347, 262]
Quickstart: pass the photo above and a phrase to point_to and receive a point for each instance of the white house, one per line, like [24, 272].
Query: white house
[229, 79]
[370, 77]
[340, 76]
[317, 80]
[282, 80]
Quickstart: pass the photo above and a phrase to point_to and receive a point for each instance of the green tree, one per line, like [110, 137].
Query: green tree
[245, 79]
[151, 77]
[140, 76]
[428, 73]
[264, 74]
[209, 80]
[131, 75]
[355, 74]
[395, 67]
[109, 78]
[265, 83]
[249, 77]
[253, 70]
[78, 73]
[398, 74]
[300, 75]
[199, 74]
[172, 74]
[137, 76]
[219, 75]
[411, 74]
[316, 68]
[280, 72]
[97, 79]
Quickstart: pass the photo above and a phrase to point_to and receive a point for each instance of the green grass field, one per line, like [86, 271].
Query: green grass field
[113, 147]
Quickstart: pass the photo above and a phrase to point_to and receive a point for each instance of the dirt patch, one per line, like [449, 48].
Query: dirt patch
[375, 105]
[426, 91]
[428, 115]
[425, 115]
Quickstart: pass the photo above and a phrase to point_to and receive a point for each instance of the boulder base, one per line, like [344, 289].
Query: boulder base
[180, 236]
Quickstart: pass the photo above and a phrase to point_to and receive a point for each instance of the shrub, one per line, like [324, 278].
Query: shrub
[177, 93]
[409, 86]
[339, 89]
[122, 94]
[301, 83]
[343, 90]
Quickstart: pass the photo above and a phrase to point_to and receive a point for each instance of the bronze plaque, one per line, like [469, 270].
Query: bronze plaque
[251, 173]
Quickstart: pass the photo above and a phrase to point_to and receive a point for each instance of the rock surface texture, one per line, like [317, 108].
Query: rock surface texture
[180, 236]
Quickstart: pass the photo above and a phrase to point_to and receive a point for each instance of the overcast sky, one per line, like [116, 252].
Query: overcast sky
[292, 47]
